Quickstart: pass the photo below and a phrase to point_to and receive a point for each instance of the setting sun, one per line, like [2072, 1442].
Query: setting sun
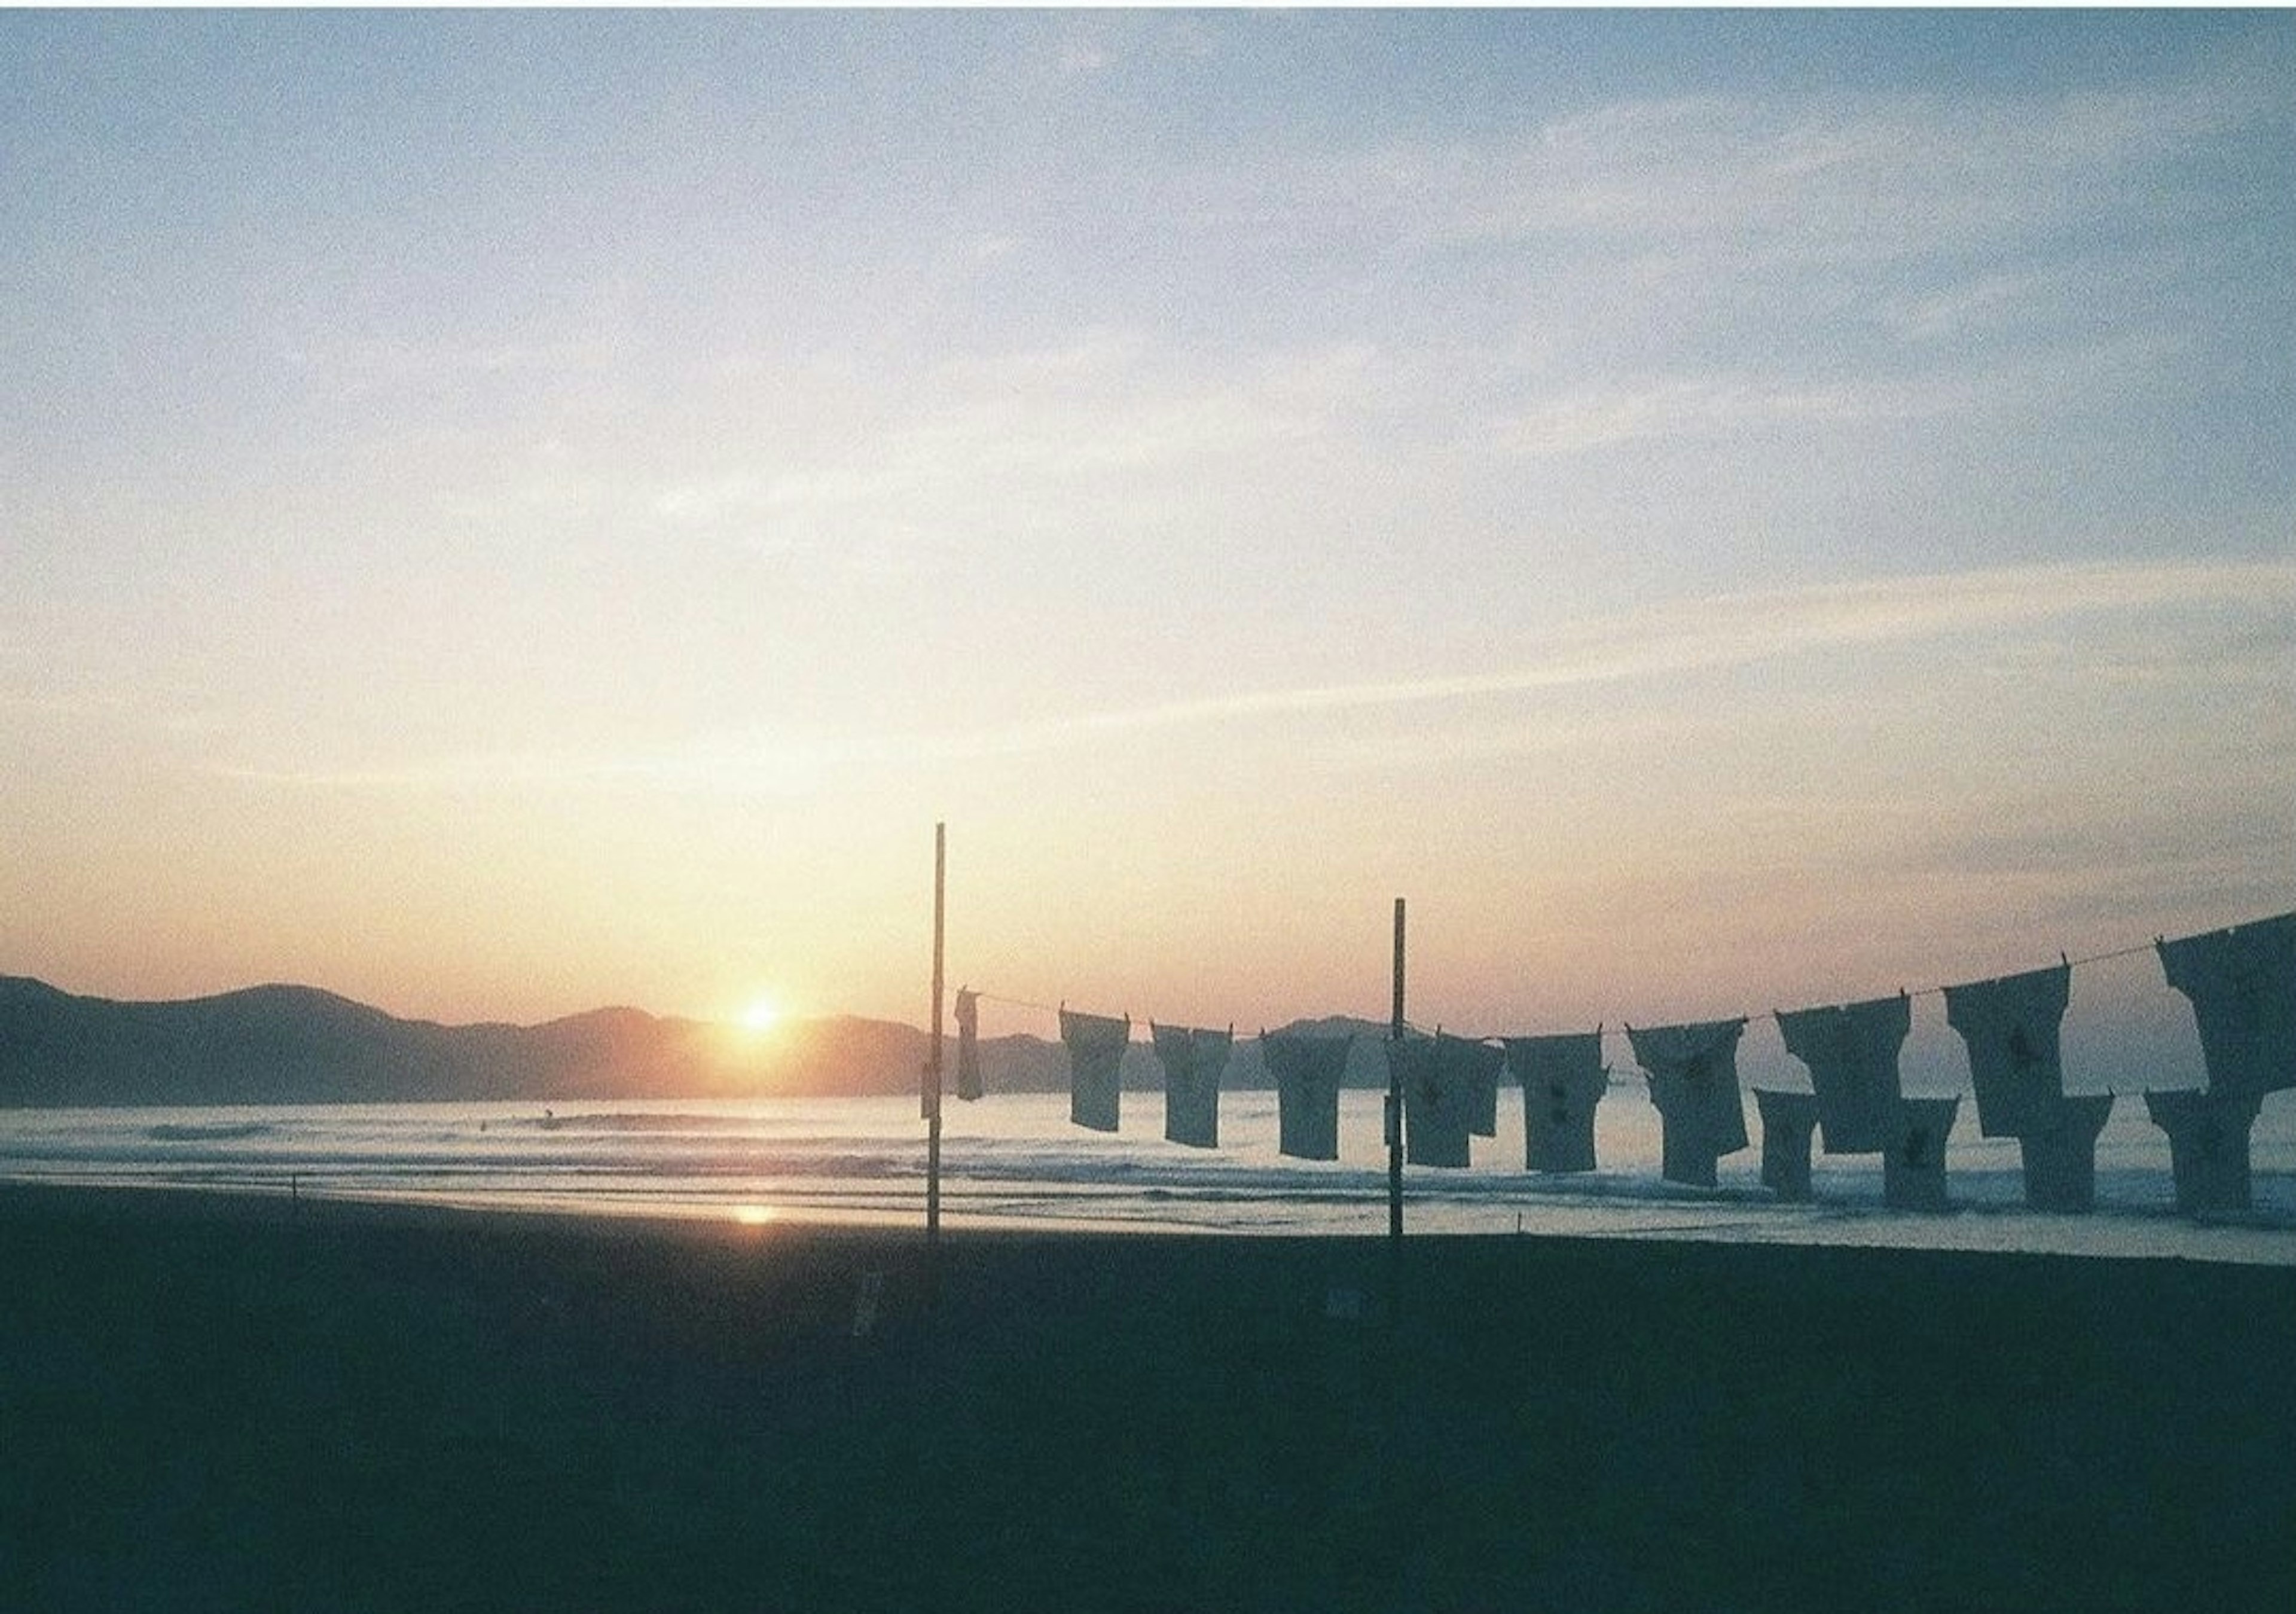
[762, 1015]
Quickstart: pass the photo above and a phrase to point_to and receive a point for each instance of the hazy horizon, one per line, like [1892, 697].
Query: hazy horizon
[511, 513]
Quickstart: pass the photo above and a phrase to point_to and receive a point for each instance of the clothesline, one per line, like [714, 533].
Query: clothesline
[1017, 1003]
[1937, 991]
[2239, 979]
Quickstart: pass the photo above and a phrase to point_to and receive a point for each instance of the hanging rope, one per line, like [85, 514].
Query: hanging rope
[1016, 1002]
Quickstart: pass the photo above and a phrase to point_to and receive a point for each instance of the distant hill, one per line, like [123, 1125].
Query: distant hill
[283, 1045]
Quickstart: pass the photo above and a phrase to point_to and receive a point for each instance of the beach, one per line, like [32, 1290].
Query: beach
[216, 1401]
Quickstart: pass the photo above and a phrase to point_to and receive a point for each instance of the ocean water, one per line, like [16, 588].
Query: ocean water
[1015, 1160]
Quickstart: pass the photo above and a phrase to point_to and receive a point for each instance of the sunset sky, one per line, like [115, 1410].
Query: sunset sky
[506, 513]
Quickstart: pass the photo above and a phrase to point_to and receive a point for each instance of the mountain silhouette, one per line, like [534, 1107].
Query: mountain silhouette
[289, 1044]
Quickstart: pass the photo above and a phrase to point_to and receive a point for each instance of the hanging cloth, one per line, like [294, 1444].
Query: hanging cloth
[1192, 1063]
[1306, 1071]
[2207, 1148]
[968, 1044]
[1434, 1103]
[2015, 1067]
[1096, 1046]
[1694, 1082]
[1788, 1119]
[1912, 1167]
[1852, 1054]
[2060, 1162]
[2242, 984]
[1562, 1080]
[1472, 1070]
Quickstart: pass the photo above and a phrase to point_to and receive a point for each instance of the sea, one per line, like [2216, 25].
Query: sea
[1014, 1161]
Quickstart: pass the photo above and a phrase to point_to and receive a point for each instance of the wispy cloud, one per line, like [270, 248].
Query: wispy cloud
[358, 367]
[1706, 408]
[1831, 178]
[1058, 436]
[1694, 267]
[1686, 636]
[1736, 630]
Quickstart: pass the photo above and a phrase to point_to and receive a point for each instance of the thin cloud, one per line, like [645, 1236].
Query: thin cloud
[1680, 638]
[1736, 630]
[1601, 418]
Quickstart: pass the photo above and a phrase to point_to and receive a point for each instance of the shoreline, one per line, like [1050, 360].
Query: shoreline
[1967, 1227]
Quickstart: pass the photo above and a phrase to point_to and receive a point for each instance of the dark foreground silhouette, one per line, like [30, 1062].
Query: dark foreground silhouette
[216, 1404]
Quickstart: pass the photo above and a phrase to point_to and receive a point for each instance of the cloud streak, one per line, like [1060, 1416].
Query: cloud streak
[1734, 630]
[1674, 640]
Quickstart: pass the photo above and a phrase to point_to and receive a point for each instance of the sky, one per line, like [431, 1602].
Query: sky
[510, 513]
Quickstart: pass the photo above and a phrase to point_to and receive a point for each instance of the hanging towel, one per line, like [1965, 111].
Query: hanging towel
[1852, 1054]
[1562, 1080]
[1694, 1082]
[1306, 1071]
[2242, 984]
[1096, 1046]
[968, 1044]
[1192, 1061]
[2009, 1027]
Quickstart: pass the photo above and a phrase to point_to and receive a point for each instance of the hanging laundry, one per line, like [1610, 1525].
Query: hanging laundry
[1471, 1069]
[1475, 1066]
[1562, 1080]
[2207, 1148]
[968, 1044]
[2242, 984]
[2009, 1027]
[1787, 1118]
[2060, 1161]
[1306, 1071]
[1694, 1082]
[1192, 1063]
[1852, 1054]
[1435, 1101]
[1096, 1046]
[1913, 1166]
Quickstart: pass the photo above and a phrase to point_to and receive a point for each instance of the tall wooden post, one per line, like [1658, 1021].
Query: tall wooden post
[1395, 1100]
[932, 1095]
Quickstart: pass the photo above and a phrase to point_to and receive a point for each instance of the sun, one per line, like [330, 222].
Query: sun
[761, 1016]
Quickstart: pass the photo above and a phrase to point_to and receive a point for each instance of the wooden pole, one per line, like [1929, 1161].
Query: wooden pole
[1395, 1100]
[932, 1064]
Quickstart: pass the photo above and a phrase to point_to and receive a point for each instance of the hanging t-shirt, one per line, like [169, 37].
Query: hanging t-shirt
[2009, 1027]
[1096, 1046]
[2207, 1148]
[1694, 1082]
[1306, 1071]
[1562, 1080]
[1474, 1067]
[2061, 1160]
[1434, 1102]
[1192, 1061]
[1852, 1054]
[1787, 1118]
[1912, 1167]
[2242, 984]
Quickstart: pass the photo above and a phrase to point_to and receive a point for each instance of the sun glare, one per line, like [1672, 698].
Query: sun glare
[761, 1016]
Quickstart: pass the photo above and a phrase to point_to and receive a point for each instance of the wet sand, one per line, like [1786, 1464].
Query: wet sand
[218, 1403]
